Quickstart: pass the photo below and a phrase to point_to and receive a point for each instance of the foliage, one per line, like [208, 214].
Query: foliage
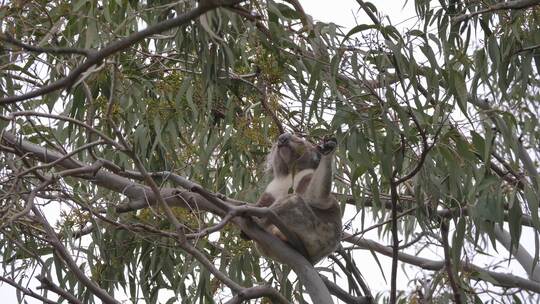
[437, 127]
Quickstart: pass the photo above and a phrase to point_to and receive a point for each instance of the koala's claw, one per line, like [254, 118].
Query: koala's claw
[328, 146]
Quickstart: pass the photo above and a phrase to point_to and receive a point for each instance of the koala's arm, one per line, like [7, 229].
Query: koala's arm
[317, 193]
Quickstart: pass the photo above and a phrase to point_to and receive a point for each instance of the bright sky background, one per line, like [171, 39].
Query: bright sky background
[346, 14]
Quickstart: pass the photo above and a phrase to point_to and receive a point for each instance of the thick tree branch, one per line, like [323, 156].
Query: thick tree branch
[502, 279]
[446, 213]
[142, 196]
[504, 5]
[305, 271]
[243, 209]
[519, 252]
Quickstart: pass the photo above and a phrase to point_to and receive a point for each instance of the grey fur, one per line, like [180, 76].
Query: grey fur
[314, 216]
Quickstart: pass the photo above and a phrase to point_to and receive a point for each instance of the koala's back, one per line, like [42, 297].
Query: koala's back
[319, 230]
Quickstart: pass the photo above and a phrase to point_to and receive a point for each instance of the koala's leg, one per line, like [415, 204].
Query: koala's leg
[317, 193]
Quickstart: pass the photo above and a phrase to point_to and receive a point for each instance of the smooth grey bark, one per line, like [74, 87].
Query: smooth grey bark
[520, 253]
[502, 279]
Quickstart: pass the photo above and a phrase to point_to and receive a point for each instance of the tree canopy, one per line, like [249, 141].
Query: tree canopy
[134, 137]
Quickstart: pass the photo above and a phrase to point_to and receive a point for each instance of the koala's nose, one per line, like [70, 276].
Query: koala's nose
[284, 138]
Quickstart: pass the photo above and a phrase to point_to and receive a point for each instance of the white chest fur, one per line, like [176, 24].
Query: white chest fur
[279, 187]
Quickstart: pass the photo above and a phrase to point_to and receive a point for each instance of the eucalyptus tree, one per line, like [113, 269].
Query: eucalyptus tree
[134, 136]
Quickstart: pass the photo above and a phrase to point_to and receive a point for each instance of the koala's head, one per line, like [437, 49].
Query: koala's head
[292, 153]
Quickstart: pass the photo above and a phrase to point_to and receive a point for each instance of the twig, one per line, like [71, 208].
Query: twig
[69, 119]
[351, 280]
[355, 271]
[128, 149]
[264, 102]
[448, 263]
[29, 203]
[54, 50]
[26, 291]
[49, 285]
[402, 214]
[70, 263]
[208, 230]
[413, 241]
[344, 295]
[395, 242]
[258, 292]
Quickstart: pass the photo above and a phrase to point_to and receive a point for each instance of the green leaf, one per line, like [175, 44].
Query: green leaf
[478, 143]
[359, 28]
[91, 34]
[514, 220]
[77, 5]
[458, 239]
[460, 90]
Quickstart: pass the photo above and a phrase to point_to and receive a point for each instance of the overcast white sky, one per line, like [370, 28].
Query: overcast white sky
[346, 14]
[343, 13]
[403, 16]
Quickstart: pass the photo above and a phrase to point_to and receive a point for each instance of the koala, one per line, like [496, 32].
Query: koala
[299, 194]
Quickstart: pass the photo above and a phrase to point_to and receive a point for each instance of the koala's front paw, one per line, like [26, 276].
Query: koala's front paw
[328, 146]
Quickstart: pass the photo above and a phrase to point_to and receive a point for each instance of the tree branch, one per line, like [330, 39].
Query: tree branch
[519, 252]
[26, 291]
[502, 279]
[448, 263]
[505, 5]
[258, 292]
[119, 45]
[446, 213]
[49, 285]
[356, 272]
[70, 263]
[142, 196]
[344, 295]
[395, 241]
[53, 50]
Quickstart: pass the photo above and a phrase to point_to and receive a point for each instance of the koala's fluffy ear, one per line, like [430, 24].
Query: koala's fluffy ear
[327, 146]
